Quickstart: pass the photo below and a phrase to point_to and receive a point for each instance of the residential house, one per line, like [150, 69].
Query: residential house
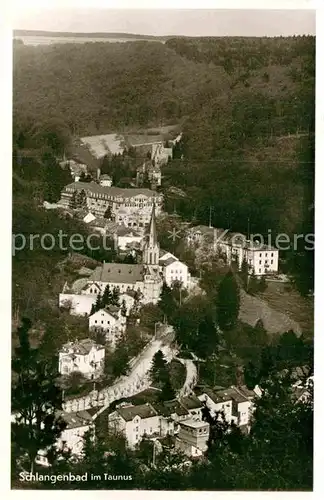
[129, 299]
[235, 403]
[84, 356]
[135, 422]
[72, 438]
[261, 259]
[173, 270]
[78, 304]
[193, 438]
[125, 237]
[109, 320]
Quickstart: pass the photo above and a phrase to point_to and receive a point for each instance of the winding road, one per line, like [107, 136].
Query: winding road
[137, 380]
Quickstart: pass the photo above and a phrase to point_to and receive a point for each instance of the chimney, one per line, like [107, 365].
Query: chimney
[98, 173]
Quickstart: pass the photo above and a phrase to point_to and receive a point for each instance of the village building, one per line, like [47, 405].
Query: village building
[126, 238]
[261, 259]
[193, 438]
[235, 403]
[135, 422]
[128, 298]
[160, 155]
[72, 437]
[83, 356]
[105, 180]
[149, 172]
[109, 320]
[145, 278]
[131, 207]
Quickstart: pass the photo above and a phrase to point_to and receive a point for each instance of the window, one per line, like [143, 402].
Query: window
[102, 322]
[136, 437]
[266, 262]
[95, 321]
[136, 429]
[266, 255]
[272, 254]
[259, 271]
[260, 261]
[271, 261]
[260, 254]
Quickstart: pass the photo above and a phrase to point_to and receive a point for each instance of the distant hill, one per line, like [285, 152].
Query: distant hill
[68, 34]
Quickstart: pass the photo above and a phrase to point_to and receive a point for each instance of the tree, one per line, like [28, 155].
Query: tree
[166, 302]
[228, 302]
[253, 284]
[123, 308]
[107, 297]
[36, 400]
[159, 371]
[245, 273]
[120, 359]
[167, 392]
[98, 304]
[115, 297]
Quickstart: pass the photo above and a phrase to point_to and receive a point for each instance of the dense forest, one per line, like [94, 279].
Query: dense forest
[245, 105]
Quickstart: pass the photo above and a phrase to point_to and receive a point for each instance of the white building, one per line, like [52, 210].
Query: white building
[84, 356]
[143, 278]
[131, 207]
[175, 271]
[135, 422]
[105, 180]
[79, 304]
[129, 299]
[236, 403]
[161, 155]
[72, 438]
[261, 259]
[109, 320]
[125, 237]
[193, 437]
[78, 424]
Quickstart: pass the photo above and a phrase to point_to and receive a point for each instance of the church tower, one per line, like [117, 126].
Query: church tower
[151, 250]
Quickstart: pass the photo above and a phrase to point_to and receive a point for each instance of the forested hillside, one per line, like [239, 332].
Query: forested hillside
[246, 106]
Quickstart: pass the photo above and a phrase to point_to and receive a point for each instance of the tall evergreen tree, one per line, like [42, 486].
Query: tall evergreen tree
[107, 297]
[159, 370]
[115, 297]
[36, 401]
[228, 302]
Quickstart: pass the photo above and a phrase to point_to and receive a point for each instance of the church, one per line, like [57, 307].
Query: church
[145, 278]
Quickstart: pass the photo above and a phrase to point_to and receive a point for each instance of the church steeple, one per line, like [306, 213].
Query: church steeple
[152, 234]
[151, 250]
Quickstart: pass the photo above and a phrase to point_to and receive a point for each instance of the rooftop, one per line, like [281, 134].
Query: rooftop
[118, 273]
[78, 419]
[111, 191]
[144, 411]
[82, 347]
[191, 402]
[194, 424]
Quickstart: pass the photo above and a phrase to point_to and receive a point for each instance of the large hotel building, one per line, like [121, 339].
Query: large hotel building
[129, 206]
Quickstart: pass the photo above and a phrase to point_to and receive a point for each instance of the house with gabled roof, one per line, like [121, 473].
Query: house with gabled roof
[109, 320]
[135, 422]
[83, 356]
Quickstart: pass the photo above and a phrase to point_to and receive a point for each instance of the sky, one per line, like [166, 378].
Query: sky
[193, 22]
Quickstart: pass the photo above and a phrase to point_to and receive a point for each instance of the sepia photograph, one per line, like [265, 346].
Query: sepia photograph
[163, 206]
